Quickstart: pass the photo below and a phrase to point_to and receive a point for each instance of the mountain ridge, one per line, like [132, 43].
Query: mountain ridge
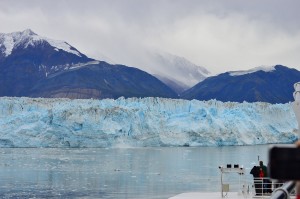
[273, 85]
[35, 66]
[27, 38]
[28, 63]
[175, 71]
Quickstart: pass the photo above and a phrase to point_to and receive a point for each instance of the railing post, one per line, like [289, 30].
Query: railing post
[284, 191]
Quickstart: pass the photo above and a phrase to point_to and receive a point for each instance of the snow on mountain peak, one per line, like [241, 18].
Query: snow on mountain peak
[173, 66]
[253, 70]
[10, 41]
[28, 32]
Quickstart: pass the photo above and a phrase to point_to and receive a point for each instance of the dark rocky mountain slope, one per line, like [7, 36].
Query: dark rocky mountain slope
[35, 66]
[262, 84]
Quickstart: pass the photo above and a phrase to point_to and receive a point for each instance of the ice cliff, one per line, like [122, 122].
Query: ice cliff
[135, 122]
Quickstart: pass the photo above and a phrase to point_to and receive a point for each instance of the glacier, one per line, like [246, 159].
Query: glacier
[142, 122]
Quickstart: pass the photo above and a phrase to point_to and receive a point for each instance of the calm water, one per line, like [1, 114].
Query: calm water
[117, 173]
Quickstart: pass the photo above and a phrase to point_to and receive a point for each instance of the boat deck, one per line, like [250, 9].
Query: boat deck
[210, 195]
[217, 195]
[241, 187]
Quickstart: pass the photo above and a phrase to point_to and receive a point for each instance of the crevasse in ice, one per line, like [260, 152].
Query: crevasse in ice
[139, 122]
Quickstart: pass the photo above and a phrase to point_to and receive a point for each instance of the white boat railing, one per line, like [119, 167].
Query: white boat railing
[266, 187]
[236, 179]
[285, 191]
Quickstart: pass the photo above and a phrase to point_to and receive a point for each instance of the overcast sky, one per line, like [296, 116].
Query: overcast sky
[223, 35]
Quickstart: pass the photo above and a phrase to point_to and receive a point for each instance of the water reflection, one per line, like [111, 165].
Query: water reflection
[117, 173]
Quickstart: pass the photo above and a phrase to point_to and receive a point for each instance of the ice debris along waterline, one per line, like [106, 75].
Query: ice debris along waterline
[135, 122]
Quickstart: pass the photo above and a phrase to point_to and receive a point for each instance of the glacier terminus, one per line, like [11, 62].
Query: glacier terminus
[142, 122]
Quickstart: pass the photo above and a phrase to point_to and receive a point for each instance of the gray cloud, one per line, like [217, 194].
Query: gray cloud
[219, 35]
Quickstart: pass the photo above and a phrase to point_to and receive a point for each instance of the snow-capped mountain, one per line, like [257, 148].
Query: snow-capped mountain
[136, 122]
[177, 72]
[13, 41]
[272, 84]
[48, 55]
[32, 65]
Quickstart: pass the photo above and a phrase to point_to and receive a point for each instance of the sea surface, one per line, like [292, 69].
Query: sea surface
[119, 172]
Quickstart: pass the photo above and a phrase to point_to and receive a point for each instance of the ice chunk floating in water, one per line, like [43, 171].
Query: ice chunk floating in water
[135, 122]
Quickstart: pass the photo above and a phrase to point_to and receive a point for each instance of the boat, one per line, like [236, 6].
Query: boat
[240, 186]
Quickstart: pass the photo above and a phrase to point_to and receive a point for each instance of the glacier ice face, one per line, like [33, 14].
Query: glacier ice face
[136, 122]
